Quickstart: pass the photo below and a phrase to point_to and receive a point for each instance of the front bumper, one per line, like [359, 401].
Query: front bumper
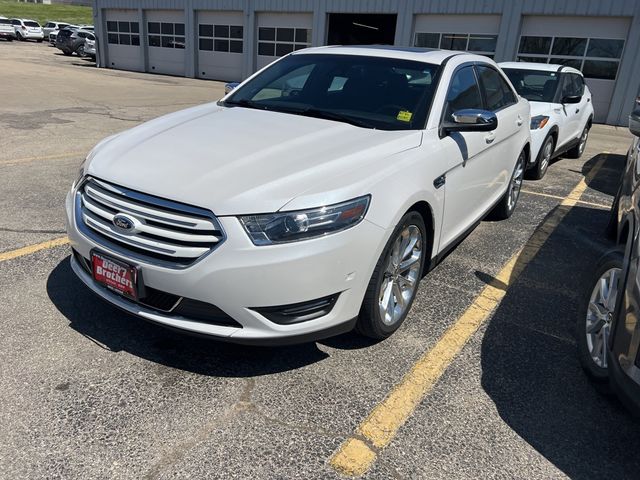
[238, 277]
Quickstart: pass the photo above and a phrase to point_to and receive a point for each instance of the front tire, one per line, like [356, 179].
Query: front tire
[544, 159]
[596, 313]
[19, 37]
[395, 279]
[507, 205]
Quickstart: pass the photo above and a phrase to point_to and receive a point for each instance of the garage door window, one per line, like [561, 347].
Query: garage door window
[123, 33]
[276, 42]
[166, 35]
[470, 42]
[596, 57]
[221, 38]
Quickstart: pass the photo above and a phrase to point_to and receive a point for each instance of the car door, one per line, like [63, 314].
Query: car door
[467, 176]
[507, 141]
[582, 108]
[569, 129]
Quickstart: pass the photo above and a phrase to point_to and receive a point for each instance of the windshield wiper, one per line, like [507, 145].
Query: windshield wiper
[245, 103]
[328, 115]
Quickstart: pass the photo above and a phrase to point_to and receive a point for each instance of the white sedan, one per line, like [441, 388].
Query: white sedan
[308, 201]
[561, 110]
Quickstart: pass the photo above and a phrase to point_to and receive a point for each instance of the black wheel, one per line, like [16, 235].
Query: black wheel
[578, 150]
[10, 39]
[39, 41]
[395, 279]
[19, 37]
[544, 159]
[80, 51]
[595, 315]
[507, 205]
[67, 52]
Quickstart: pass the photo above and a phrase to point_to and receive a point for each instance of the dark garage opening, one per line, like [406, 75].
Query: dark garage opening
[361, 29]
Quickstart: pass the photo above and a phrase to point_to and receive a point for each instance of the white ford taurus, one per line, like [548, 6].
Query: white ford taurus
[309, 200]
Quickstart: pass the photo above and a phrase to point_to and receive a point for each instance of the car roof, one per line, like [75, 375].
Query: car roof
[433, 56]
[541, 67]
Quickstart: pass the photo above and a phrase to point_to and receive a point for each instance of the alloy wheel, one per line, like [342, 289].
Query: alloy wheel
[516, 183]
[401, 275]
[600, 314]
[583, 140]
[546, 155]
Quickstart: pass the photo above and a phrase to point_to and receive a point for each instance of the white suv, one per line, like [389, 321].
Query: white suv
[561, 110]
[6, 29]
[309, 200]
[27, 29]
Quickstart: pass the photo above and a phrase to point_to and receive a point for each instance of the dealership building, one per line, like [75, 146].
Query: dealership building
[230, 39]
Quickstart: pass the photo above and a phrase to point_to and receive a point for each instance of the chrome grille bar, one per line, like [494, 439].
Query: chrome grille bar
[175, 233]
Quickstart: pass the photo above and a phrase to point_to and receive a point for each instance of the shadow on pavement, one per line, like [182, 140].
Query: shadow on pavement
[530, 364]
[116, 330]
[609, 179]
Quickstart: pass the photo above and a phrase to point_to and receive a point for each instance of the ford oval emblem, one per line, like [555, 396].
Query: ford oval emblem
[124, 222]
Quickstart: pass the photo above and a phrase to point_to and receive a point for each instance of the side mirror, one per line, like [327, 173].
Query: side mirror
[571, 99]
[471, 120]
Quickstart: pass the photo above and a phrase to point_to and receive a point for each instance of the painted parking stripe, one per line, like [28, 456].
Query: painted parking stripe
[358, 452]
[28, 250]
[558, 197]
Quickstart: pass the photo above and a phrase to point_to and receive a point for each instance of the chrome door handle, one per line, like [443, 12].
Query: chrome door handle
[490, 137]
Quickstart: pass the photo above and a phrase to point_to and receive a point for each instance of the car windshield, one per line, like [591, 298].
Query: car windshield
[370, 92]
[31, 24]
[534, 85]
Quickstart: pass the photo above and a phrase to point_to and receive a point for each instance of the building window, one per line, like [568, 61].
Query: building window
[165, 35]
[276, 42]
[123, 33]
[220, 38]
[595, 57]
[471, 42]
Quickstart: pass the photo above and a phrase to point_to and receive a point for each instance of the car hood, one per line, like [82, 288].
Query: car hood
[238, 160]
[542, 108]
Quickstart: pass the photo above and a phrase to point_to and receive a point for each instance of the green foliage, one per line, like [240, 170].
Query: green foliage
[43, 13]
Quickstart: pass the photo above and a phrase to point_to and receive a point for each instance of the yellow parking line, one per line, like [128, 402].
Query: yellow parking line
[28, 250]
[356, 455]
[558, 197]
[11, 161]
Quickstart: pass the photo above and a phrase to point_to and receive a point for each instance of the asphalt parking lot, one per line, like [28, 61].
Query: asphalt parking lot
[87, 391]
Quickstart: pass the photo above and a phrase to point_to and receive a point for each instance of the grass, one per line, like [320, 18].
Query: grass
[43, 13]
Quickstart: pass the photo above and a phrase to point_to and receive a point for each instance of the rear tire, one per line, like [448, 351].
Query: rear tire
[19, 37]
[507, 205]
[80, 51]
[67, 53]
[578, 150]
[395, 279]
[544, 159]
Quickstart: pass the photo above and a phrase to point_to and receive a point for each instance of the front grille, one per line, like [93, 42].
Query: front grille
[165, 231]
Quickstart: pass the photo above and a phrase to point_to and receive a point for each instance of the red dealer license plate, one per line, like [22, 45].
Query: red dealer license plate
[115, 275]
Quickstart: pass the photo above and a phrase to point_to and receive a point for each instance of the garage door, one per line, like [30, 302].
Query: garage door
[123, 40]
[563, 40]
[473, 33]
[281, 33]
[220, 45]
[166, 41]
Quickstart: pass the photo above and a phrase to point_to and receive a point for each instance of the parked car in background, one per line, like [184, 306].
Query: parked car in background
[7, 31]
[90, 49]
[52, 27]
[230, 86]
[608, 326]
[71, 40]
[330, 200]
[27, 29]
[561, 110]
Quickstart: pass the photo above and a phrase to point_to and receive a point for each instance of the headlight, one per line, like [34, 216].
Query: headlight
[284, 227]
[539, 121]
